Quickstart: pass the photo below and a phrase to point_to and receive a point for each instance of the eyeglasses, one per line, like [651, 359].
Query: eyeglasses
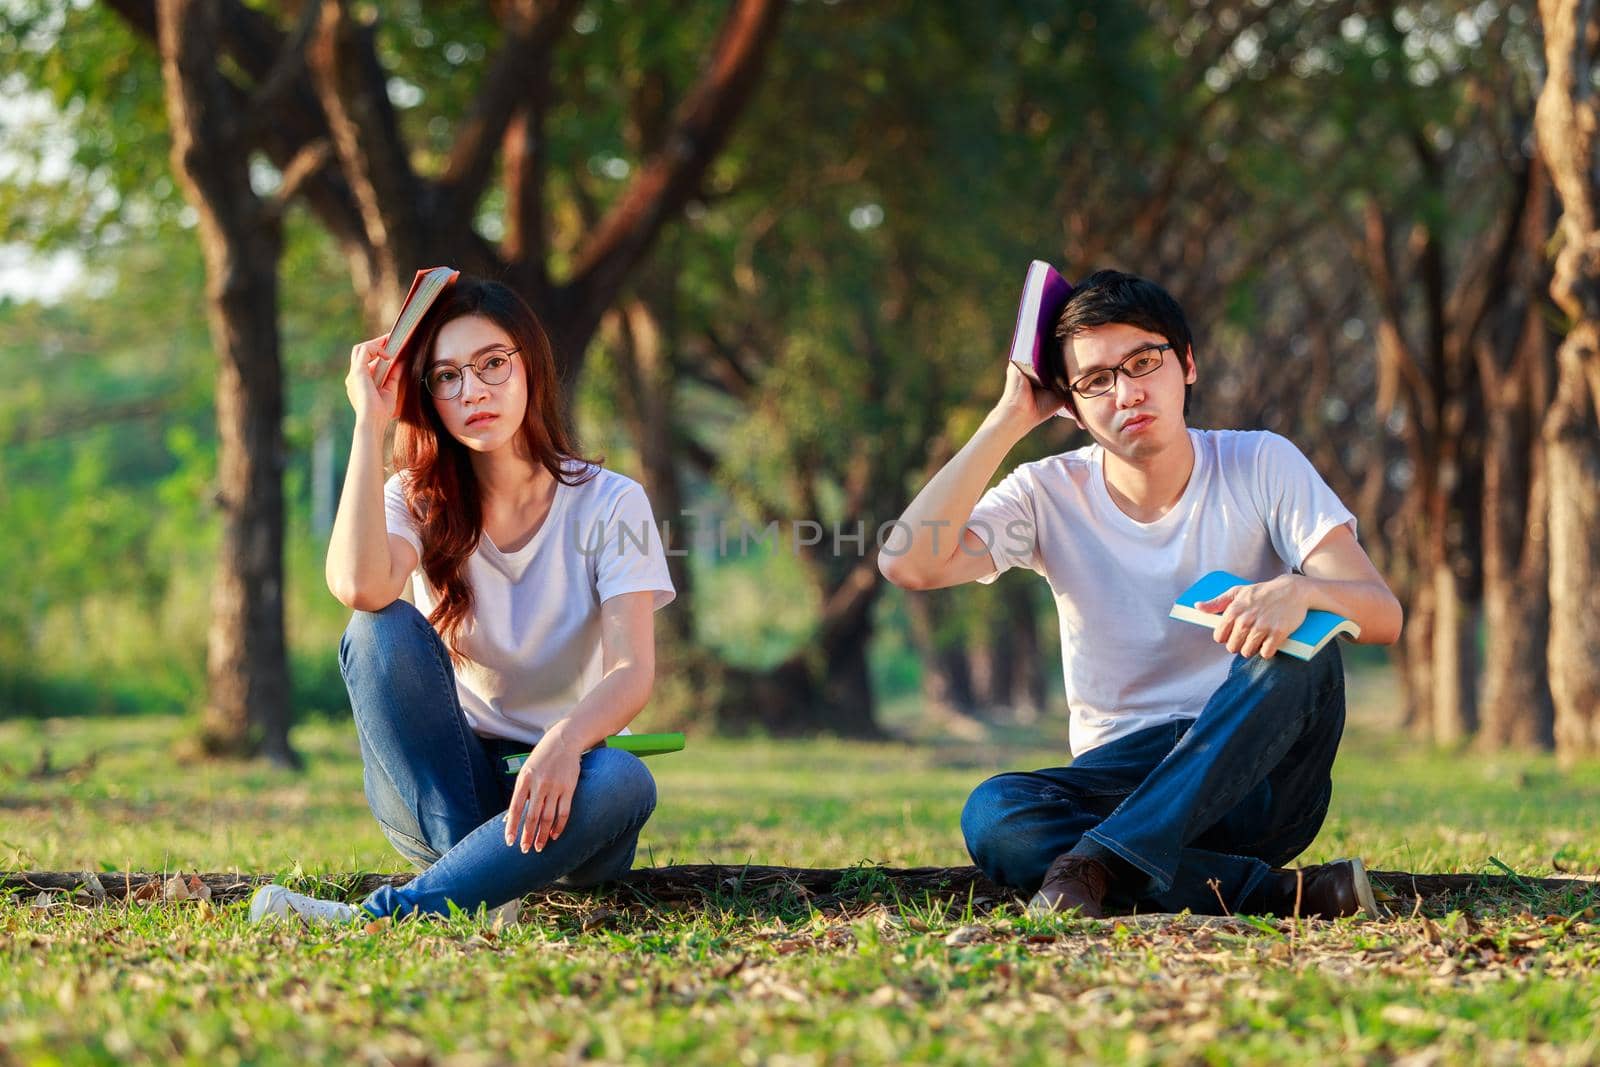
[444, 380]
[1135, 364]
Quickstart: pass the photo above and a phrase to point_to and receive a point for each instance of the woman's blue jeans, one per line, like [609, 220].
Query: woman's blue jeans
[1195, 811]
[440, 791]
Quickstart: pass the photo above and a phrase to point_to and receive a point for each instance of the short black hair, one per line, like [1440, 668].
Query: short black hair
[1111, 296]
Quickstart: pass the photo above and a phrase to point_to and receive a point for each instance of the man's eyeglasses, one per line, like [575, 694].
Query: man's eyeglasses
[444, 380]
[1135, 364]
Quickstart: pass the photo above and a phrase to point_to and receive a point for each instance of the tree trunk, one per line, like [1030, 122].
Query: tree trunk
[247, 669]
[649, 381]
[1454, 703]
[1414, 657]
[1008, 664]
[1566, 124]
[946, 671]
[247, 705]
[1028, 674]
[1573, 448]
[1516, 708]
[825, 687]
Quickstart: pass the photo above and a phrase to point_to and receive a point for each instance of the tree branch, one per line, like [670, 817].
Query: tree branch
[350, 83]
[671, 176]
[530, 31]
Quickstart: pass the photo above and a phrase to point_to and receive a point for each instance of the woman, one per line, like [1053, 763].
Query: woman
[535, 575]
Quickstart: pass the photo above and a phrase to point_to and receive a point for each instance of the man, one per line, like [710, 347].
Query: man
[1200, 761]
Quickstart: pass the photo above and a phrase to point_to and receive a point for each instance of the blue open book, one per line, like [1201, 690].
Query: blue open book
[1319, 628]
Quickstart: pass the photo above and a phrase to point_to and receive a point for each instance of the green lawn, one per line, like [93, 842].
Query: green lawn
[775, 979]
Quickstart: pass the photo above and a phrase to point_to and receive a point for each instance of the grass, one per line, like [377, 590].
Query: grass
[764, 978]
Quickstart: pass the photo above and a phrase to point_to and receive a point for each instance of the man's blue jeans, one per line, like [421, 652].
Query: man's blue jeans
[440, 791]
[1198, 810]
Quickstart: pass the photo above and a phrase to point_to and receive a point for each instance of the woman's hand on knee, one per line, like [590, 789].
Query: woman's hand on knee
[541, 801]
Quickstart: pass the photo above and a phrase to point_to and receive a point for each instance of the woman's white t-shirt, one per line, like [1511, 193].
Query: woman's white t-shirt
[1254, 506]
[532, 641]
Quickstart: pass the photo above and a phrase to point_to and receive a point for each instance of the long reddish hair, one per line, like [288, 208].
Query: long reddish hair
[442, 491]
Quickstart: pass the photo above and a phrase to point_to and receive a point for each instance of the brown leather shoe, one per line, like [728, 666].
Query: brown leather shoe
[1072, 882]
[1323, 891]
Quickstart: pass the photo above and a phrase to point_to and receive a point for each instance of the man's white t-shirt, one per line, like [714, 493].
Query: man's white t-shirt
[1254, 506]
[532, 641]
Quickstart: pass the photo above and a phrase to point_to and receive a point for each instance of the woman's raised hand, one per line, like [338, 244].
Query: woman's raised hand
[372, 405]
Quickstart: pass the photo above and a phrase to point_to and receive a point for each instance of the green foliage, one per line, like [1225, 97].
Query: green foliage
[108, 476]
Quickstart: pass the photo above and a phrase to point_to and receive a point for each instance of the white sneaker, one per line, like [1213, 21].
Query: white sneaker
[276, 901]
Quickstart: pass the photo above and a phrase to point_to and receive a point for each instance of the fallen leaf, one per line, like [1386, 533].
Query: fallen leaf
[1410, 1015]
[148, 893]
[727, 970]
[174, 889]
[966, 935]
[92, 886]
[507, 914]
[598, 918]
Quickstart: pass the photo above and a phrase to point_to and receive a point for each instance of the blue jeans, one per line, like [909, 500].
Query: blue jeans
[1187, 814]
[440, 791]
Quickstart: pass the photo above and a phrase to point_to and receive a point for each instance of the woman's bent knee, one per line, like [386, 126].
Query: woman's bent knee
[374, 632]
[620, 783]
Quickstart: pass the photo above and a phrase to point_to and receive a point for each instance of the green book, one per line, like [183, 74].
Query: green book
[638, 744]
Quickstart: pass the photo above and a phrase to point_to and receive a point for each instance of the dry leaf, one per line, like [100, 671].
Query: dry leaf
[966, 935]
[148, 893]
[1409, 1015]
[198, 890]
[92, 886]
[506, 914]
[727, 970]
[598, 918]
[174, 889]
[883, 996]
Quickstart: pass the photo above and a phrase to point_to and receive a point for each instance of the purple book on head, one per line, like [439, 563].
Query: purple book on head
[1044, 293]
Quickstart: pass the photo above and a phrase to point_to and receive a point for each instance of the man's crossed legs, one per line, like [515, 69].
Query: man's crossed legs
[1194, 814]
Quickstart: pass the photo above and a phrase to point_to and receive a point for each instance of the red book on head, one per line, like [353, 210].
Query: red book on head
[426, 288]
[1044, 294]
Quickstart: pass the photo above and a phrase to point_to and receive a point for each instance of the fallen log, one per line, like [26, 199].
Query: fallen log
[748, 883]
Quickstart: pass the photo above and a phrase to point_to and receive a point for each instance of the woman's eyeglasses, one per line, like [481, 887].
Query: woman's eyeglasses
[493, 367]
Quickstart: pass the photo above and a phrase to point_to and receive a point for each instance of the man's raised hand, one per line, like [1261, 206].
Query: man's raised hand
[1024, 404]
